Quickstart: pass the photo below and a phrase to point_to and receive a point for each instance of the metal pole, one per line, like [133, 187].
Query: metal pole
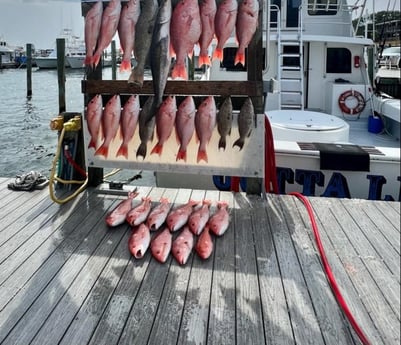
[29, 70]
[60, 43]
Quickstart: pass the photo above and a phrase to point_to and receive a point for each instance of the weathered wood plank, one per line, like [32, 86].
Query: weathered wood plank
[303, 318]
[221, 327]
[249, 322]
[335, 228]
[25, 314]
[276, 319]
[176, 87]
[331, 320]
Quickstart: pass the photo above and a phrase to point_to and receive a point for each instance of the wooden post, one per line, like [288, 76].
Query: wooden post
[29, 70]
[60, 44]
[113, 61]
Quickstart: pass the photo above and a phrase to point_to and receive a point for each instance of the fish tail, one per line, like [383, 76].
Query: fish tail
[95, 60]
[222, 143]
[125, 66]
[88, 60]
[92, 143]
[182, 154]
[157, 149]
[239, 58]
[102, 151]
[240, 143]
[123, 151]
[204, 59]
[202, 155]
[141, 150]
[218, 54]
[136, 78]
[179, 71]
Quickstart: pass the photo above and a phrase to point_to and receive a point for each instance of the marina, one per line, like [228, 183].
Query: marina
[66, 278]
[290, 153]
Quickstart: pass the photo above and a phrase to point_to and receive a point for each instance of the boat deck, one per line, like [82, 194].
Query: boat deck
[68, 279]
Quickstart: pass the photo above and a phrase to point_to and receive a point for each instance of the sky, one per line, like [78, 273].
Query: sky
[40, 22]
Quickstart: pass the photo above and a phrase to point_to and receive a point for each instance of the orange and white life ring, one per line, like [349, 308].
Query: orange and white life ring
[347, 97]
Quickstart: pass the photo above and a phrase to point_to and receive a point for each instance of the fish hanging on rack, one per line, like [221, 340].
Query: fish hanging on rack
[128, 123]
[185, 30]
[224, 121]
[226, 17]
[110, 20]
[144, 28]
[245, 27]
[94, 112]
[147, 123]
[185, 125]
[127, 33]
[93, 22]
[110, 124]
[245, 119]
[208, 10]
[205, 121]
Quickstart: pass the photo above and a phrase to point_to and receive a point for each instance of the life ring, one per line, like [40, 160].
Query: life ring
[351, 94]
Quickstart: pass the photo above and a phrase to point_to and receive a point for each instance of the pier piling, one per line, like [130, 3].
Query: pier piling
[29, 70]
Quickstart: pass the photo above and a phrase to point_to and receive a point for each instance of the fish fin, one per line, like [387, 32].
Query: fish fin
[92, 144]
[136, 78]
[95, 60]
[202, 155]
[179, 71]
[182, 154]
[123, 151]
[125, 66]
[102, 151]
[222, 143]
[157, 149]
[142, 150]
[204, 59]
[240, 143]
[239, 58]
[218, 54]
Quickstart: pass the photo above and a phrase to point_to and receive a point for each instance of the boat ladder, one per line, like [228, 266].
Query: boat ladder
[290, 66]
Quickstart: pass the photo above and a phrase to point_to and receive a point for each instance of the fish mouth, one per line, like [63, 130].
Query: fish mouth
[139, 254]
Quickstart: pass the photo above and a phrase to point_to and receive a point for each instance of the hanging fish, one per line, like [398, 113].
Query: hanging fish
[110, 19]
[147, 122]
[245, 122]
[208, 10]
[245, 27]
[205, 121]
[110, 124]
[94, 113]
[127, 33]
[185, 31]
[185, 125]
[144, 26]
[224, 121]
[93, 22]
[129, 120]
[224, 25]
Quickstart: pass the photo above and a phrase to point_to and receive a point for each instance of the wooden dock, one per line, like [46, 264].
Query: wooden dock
[65, 278]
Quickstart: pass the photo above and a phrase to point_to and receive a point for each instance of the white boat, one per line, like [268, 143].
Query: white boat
[6, 55]
[76, 60]
[74, 46]
[333, 136]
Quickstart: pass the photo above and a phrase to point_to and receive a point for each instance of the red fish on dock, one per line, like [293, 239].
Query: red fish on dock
[182, 246]
[179, 216]
[139, 241]
[158, 215]
[140, 212]
[219, 221]
[204, 245]
[119, 213]
[198, 218]
[160, 246]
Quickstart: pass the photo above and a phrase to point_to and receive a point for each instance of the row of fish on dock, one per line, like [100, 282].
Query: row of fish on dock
[193, 222]
[185, 119]
[154, 30]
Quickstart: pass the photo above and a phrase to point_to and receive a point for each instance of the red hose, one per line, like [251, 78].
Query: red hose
[70, 160]
[329, 272]
[271, 185]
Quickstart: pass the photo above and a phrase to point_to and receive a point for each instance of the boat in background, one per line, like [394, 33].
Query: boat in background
[76, 60]
[321, 106]
[74, 46]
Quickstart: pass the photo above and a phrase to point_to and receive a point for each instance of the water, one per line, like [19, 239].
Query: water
[26, 141]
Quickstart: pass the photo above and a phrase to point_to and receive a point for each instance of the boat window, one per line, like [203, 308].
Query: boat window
[293, 13]
[274, 12]
[338, 60]
[322, 7]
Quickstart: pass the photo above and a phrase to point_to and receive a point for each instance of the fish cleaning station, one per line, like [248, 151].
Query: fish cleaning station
[102, 262]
